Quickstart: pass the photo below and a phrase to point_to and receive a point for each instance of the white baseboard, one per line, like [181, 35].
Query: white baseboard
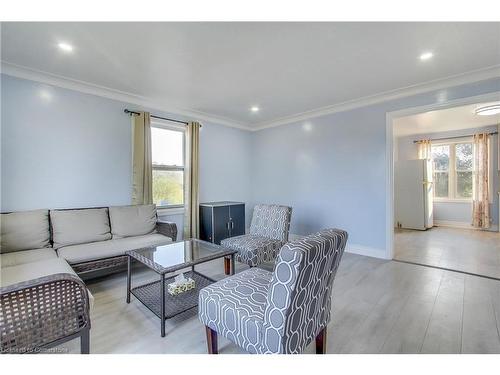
[461, 225]
[354, 248]
[367, 251]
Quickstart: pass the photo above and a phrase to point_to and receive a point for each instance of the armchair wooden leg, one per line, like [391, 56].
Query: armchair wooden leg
[321, 342]
[227, 266]
[211, 341]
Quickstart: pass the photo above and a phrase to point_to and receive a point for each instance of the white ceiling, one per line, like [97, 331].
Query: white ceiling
[443, 120]
[222, 69]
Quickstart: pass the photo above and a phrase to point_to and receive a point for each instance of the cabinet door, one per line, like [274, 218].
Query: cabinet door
[206, 224]
[221, 223]
[237, 217]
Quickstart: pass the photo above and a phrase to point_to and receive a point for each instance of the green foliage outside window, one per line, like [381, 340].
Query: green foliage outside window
[168, 188]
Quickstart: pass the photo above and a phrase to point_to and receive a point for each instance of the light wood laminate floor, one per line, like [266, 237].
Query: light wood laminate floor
[466, 250]
[378, 307]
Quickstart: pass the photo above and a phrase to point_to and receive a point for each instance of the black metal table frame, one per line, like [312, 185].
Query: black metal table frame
[162, 282]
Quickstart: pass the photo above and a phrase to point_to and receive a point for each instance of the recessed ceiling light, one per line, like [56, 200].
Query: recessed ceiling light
[488, 110]
[307, 126]
[426, 56]
[254, 108]
[65, 47]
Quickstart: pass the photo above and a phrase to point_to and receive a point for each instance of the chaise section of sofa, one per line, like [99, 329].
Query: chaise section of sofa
[42, 300]
[43, 257]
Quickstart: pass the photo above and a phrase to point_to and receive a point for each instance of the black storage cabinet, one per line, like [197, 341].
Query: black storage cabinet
[220, 220]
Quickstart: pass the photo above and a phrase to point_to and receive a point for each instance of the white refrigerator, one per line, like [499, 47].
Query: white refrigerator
[413, 194]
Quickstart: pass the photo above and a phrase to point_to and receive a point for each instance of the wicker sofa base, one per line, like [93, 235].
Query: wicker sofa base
[100, 264]
[29, 323]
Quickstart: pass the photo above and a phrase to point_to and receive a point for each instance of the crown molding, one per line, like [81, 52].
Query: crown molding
[456, 80]
[93, 89]
[23, 72]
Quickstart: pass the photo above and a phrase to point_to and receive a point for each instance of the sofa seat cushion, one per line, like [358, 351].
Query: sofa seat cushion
[234, 307]
[72, 227]
[128, 221]
[111, 248]
[26, 256]
[252, 249]
[24, 230]
[29, 271]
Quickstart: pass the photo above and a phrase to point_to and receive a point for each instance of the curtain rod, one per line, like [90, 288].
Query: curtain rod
[445, 138]
[161, 118]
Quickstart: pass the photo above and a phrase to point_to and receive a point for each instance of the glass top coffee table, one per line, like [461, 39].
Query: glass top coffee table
[171, 258]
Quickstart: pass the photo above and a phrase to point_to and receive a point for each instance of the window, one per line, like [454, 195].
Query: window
[167, 145]
[453, 170]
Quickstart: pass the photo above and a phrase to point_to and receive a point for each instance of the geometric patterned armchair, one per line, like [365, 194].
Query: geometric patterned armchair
[268, 233]
[281, 311]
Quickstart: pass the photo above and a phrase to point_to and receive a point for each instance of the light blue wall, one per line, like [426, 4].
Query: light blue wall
[335, 173]
[225, 164]
[456, 211]
[225, 167]
[62, 148]
[74, 150]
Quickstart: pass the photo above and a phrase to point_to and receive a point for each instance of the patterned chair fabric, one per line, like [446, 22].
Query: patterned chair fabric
[253, 250]
[280, 311]
[271, 221]
[268, 233]
[235, 307]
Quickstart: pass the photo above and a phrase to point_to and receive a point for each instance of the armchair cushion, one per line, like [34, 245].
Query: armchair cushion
[253, 249]
[234, 307]
[128, 221]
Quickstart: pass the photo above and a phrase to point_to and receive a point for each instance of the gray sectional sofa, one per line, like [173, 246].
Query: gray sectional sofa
[45, 254]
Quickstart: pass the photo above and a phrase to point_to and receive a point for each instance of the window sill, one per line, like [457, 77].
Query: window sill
[164, 211]
[438, 200]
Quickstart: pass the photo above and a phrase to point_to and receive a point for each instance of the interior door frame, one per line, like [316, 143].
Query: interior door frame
[389, 153]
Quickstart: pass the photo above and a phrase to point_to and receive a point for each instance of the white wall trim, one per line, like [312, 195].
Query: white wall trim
[462, 225]
[23, 72]
[366, 251]
[353, 248]
[456, 80]
[389, 153]
[453, 224]
[90, 88]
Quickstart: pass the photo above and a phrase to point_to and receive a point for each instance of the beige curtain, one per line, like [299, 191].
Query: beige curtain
[424, 149]
[142, 169]
[480, 200]
[191, 182]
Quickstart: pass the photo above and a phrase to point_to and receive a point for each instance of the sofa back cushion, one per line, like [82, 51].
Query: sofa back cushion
[72, 227]
[127, 221]
[24, 231]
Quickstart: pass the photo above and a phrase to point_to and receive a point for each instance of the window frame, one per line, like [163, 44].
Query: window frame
[167, 125]
[452, 169]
